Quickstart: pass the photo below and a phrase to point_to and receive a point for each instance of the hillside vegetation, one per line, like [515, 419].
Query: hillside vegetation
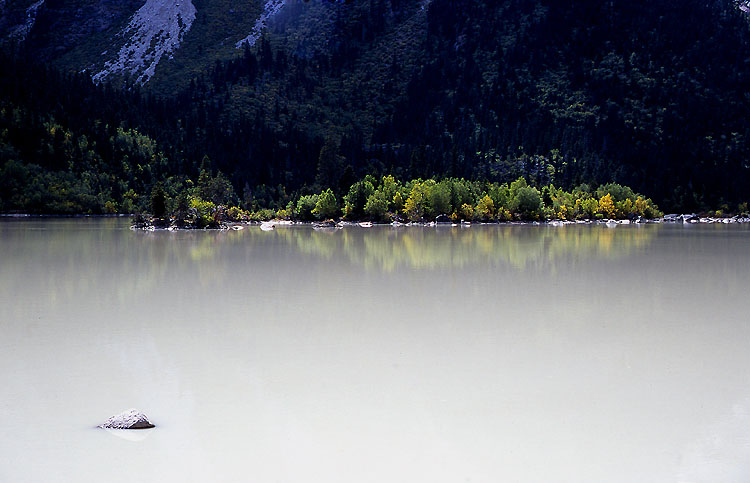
[560, 93]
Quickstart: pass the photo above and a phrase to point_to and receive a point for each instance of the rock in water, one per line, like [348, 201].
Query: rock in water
[130, 419]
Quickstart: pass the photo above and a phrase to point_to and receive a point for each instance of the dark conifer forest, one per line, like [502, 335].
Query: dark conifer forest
[653, 95]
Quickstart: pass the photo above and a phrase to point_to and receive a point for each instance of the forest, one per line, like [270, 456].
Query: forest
[567, 96]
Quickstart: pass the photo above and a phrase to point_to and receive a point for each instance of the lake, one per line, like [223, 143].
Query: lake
[412, 354]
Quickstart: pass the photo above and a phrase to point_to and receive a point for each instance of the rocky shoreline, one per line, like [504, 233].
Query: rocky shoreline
[692, 218]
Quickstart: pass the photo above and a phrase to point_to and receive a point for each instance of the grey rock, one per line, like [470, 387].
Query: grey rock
[324, 224]
[130, 419]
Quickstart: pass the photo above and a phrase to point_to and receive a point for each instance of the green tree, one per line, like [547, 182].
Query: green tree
[616, 191]
[415, 204]
[389, 185]
[438, 199]
[305, 206]
[129, 202]
[500, 195]
[216, 189]
[527, 202]
[398, 202]
[182, 207]
[356, 198]
[485, 209]
[586, 207]
[377, 206]
[158, 201]
[330, 162]
[326, 207]
[461, 194]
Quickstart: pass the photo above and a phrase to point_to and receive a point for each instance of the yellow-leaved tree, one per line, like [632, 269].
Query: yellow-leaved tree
[607, 206]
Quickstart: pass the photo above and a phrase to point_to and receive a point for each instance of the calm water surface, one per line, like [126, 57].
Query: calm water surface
[482, 354]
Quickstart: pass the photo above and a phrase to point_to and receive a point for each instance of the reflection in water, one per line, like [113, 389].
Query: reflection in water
[69, 244]
[489, 353]
[134, 436]
[386, 248]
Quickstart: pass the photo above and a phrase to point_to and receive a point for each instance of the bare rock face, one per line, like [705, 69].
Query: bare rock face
[130, 419]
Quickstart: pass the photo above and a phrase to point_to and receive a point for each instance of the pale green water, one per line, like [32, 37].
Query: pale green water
[484, 354]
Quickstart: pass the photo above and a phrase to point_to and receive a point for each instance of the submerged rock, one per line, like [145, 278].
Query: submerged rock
[130, 419]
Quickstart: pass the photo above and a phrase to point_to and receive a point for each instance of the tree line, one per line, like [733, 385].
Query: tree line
[211, 201]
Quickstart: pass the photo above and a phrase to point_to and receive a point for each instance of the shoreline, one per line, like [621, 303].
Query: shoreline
[332, 224]
[63, 215]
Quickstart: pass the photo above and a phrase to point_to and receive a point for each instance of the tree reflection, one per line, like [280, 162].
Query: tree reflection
[519, 246]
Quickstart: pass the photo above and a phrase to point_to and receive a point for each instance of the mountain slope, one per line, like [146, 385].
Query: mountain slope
[128, 40]
[638, 92]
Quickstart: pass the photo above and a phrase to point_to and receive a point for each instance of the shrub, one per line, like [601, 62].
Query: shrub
[235, 213]
[586, 208]
[110, 207]
[284, 214]
[204, 213]
[563, 212]
[467, 212]
[485, 209]
[504, 215]
[262, 215]
[742, 208]
[624, 209]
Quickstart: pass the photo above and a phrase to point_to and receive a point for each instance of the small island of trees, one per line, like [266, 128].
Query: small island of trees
[212, 201]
